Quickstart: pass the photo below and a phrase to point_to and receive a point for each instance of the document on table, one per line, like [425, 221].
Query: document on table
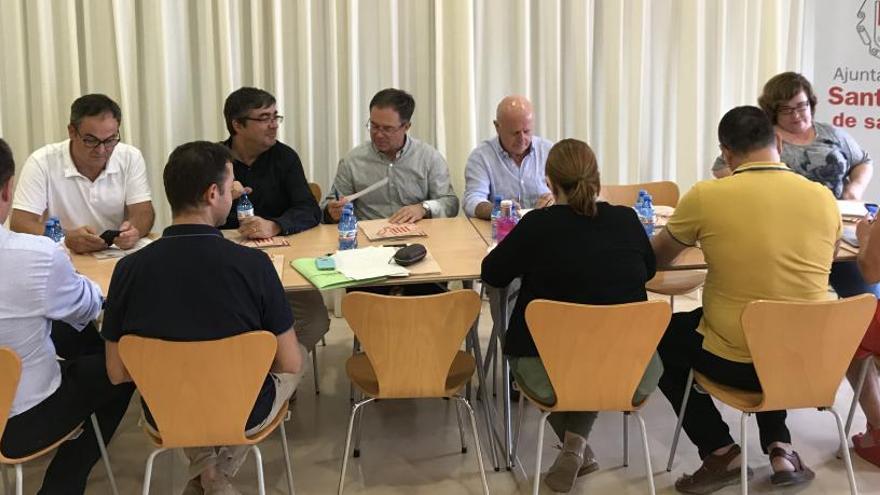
[115, 252]
[851, 209]
[368, 262]
[381, 229]
[373, 187]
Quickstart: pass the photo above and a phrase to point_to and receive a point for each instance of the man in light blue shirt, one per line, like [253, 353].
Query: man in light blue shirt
[510, 165]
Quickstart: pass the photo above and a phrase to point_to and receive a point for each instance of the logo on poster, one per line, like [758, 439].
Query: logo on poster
[870, 31]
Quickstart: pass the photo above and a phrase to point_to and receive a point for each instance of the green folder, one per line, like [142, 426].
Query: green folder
[326, 279]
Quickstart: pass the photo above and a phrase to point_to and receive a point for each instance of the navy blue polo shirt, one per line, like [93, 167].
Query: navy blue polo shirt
[193, 285]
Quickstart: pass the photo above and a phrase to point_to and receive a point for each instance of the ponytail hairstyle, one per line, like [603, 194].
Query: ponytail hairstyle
[571, 167]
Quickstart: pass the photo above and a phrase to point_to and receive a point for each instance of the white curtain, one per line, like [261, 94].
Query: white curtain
[643, 81]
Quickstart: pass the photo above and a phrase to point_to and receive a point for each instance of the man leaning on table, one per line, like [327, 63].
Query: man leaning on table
[93, 183]
[418, 177]
[193, 285]
[755, 249]
[273, 175]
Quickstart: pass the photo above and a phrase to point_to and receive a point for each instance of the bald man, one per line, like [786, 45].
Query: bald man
[510, 165]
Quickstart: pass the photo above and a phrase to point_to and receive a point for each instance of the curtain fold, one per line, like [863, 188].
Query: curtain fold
[643, 81]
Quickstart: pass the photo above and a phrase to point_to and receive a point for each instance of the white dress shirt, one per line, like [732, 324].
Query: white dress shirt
[39, 285]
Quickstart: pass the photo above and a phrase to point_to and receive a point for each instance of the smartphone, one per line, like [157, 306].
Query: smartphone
[108, 235]
[325, 263]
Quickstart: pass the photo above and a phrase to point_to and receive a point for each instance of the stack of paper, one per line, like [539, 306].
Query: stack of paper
[852, 209]
[368, 262]
[378, 230]
[270, 242]
[115, 252]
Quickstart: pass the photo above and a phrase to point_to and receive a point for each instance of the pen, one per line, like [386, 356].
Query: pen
[336, 193]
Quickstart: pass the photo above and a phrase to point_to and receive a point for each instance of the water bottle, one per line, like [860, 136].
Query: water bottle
[58, 231]
[245, 207]
[506, 221]
[49, 230]
[496, 212]
[348, 228]
[647, 215]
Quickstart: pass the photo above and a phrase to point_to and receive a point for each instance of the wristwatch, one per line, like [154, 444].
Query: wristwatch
[427, 208]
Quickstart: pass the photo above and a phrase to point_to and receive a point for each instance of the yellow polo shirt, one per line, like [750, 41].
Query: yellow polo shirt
[766, 233]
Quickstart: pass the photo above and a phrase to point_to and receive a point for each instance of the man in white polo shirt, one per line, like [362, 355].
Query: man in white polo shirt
[91, 182]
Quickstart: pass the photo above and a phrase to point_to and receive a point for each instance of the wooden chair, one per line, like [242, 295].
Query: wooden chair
[10, 374]
[595, 357]
[411, 351]
[201, 393]
[315, 188]
[857, 391]
[668, 283]
[801, 351]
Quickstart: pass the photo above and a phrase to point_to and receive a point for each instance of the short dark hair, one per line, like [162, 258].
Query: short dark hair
[745, 129]
[241, 101]
[92, 105]
[7, 163]
[398, 99]
[780, 89]
[190, 171]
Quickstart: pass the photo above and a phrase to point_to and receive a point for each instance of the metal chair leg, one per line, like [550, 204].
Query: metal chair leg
[104, 456]
[682, 409]
[648, 469]
[19, 480]
[315, 370]
[258, 458]
[519, 420]
[351, 417]
[476, 443]
[625, 440]
[460, 427]
[4, 478]
[847, 460]
[288, 470]
[538, 454]
[148, 472]
[857, 391]
[744, 467]
[357, 436]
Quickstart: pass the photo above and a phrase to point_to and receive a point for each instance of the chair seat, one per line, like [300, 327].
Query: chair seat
[743, 400]
[676, 283]
[362, 375]
[41, 452]
[156, 440]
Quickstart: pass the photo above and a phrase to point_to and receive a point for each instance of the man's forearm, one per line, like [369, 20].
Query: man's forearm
[26, 222]
[142, 219]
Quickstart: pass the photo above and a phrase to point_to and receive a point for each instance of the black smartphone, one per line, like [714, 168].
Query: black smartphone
[108, 235]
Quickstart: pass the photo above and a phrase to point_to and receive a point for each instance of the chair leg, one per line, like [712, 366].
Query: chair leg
[519, 420]
[104, 456]
[538, 454]
[288, 470]
[315, 370]
[148, 472]
[357, 435]
[351, 417]
[258, 458]
[851, 477]
[4, 478]
[470, 411]
[684, 401]
[19, 480]
[744, 467]
[648, 468]
[355, 345]
[625, 440]
[323, 341]
[857, 391]
[460, 427]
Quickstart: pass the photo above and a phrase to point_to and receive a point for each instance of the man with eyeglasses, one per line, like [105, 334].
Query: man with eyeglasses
[90, 181]
[272, 175]
[93, 183]
[418, 177]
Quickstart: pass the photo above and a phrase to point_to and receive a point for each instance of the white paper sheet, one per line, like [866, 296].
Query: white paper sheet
[377, 185]
[368, 262]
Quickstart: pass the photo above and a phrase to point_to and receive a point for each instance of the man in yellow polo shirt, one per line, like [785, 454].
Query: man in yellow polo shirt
[766, 233]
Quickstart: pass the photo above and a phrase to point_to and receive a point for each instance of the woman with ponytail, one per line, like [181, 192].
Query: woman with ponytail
[580, 250]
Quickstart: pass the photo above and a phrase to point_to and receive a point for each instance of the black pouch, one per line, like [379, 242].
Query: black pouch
[411, 254]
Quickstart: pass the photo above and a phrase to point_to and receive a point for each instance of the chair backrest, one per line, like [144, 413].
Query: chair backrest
[10, 373]
[595, 356]
[316, 191]
[801, 349]
[662, 193]
[411, 341]
[200, 393]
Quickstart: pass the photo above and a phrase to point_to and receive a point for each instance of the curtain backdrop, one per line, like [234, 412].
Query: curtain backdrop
[643, 81]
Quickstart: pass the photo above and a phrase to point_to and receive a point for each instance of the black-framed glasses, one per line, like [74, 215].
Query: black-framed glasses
[92, 142]
[266, 119]
[799, 108]
[383, 129]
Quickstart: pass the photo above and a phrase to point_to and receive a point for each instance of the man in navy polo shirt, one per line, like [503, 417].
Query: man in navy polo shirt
[193, 285]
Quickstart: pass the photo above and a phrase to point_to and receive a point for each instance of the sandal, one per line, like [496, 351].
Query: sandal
[801, 473]
[713, 474]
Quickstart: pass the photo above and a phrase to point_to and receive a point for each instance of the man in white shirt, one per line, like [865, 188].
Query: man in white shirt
[39, 284]
[93, 184]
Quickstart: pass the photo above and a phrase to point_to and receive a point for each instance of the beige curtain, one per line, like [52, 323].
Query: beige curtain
[643, 81]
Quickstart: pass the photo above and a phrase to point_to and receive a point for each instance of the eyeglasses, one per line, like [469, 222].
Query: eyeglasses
[92, 142]
[383, 129]
[266, 119]
[799, 108]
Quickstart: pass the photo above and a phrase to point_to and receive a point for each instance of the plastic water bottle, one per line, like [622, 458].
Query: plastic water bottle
[245, 207]
[506, 221]
[348, 228]
[53, 230]
[496, 212]
[647, 215]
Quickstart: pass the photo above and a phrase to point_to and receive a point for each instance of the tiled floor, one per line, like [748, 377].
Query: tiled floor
[412, 447]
